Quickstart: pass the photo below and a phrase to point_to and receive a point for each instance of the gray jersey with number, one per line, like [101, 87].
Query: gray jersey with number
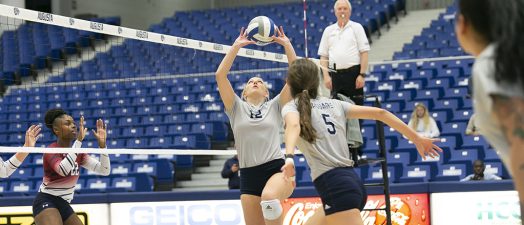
[330, 150]
[256, 131]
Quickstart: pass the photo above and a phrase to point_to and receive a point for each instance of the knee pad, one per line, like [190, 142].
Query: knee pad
[271, 209]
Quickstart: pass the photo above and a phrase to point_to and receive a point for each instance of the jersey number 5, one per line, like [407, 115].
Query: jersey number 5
[330, 125]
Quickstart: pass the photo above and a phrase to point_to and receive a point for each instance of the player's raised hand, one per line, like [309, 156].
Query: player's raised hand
[242, 40]
[100, 133]
[81, 130]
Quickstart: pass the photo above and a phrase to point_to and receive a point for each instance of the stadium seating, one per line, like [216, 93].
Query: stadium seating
[35, 46]
[438, 40]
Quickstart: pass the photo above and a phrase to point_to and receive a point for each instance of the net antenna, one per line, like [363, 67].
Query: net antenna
[305, 30]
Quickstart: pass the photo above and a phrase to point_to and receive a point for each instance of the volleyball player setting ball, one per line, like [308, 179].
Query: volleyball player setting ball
[256, 122]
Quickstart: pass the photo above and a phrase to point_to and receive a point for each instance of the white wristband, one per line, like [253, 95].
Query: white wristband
[290, 160]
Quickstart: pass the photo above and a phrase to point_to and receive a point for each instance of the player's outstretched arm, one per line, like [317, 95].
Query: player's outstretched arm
[227, 94]
[425, 146]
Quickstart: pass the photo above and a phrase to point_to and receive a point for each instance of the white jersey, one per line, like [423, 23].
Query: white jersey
[484, 85]
[330, 149]
[8, 167]
[256, 131]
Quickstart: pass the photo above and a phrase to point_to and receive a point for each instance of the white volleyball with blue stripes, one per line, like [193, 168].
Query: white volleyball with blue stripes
[261, 29]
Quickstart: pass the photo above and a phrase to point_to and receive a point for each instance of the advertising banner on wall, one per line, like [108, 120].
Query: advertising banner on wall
[479, 208]
[409, 209]
[89, 214]
[224, 212]
[406, 209]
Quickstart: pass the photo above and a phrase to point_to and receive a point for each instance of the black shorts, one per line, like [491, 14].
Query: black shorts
[343, 82]
[341, 189]
[254, 179]
[44, 201]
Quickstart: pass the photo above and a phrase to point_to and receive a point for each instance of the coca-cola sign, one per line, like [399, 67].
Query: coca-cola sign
[406, 209]
[298, 210]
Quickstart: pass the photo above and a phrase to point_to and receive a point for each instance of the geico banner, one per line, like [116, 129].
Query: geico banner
[479, 208]
[406, 209]
[224, 212]
[89, 214]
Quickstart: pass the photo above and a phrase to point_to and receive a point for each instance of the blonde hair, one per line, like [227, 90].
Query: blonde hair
[346, 1]
[244, 89]
[425, 118]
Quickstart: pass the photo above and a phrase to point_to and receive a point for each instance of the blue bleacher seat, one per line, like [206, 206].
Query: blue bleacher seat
[496, 168]
[116, 143]
[145, 167]
[37, 159]
[155, 130]
[179, 129]
[471, 142]
[454, 128]
[3, 186]
[97, 185]
[22, 173]
[121, 168]
[420, 173]
[136, 143]
[451, 172]
[375, 175]
[491, 156]
[80, 184]
[465, 156]
[185, 142]
[133, 132]
[125, 183]
[160, 142]
[21, 186]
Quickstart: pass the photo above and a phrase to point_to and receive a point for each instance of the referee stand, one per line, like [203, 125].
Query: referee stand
[382, 159]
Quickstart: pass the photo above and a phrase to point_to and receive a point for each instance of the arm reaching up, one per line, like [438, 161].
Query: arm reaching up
[227, 94]
[8, 167]
[282, 39]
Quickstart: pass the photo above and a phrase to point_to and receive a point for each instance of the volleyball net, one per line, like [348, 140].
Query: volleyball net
[154, 89]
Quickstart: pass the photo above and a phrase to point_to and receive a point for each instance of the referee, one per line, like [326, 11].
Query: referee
[344, 48]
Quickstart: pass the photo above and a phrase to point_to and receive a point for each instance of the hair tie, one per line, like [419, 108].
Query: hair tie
[305, 92]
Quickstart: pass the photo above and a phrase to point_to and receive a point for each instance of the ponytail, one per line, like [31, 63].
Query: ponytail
[307, 132]
[303, 81]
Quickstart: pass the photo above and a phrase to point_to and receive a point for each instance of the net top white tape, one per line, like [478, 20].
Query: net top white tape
[130, 151]
[117, 151]
[69, 22]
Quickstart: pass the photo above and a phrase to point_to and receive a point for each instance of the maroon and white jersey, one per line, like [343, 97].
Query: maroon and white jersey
[61, 171]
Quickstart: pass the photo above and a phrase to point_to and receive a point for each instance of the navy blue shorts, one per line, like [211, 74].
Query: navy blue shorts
[254, 179]
[341, 189]
[44, 201]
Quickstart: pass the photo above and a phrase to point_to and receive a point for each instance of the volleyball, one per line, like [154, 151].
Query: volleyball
[260, 30]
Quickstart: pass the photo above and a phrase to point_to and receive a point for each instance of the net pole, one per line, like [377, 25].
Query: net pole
[305, 29]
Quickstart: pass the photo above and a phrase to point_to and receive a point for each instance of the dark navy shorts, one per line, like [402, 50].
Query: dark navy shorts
[45, 201]
[341, 189]
[254, 179]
